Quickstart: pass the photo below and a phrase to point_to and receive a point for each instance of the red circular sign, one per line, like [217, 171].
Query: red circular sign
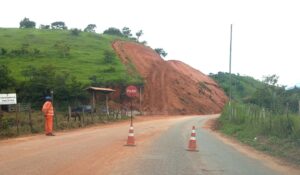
[131, 91]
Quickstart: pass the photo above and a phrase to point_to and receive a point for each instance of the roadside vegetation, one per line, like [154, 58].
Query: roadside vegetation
[32, 122]
[267, 119]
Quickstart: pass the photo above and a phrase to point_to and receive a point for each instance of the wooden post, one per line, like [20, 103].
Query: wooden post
[82, 123]
[17, 118]
[92, 116]
[0, 111]
[299, 106]
[94, 102]
[141, 112]
[30, 121]
[287, 110]
[54, 116]
[290, 126]
[69, 112]
[107, 108]
[1, 115]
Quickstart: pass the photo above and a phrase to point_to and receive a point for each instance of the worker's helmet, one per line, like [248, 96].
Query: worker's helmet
[48, 98]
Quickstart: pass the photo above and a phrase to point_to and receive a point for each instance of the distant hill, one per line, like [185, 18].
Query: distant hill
[243, 87]
[83, 56]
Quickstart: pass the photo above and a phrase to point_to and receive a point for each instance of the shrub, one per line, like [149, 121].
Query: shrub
[75, 32]
[3, 51]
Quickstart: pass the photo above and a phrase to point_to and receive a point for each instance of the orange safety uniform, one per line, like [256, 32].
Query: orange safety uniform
[49, 113]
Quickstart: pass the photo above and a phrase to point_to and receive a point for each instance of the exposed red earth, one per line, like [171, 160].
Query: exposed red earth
[171, 87]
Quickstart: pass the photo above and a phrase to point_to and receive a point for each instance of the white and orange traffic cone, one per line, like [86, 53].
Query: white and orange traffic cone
[193, 143]
[130, 139]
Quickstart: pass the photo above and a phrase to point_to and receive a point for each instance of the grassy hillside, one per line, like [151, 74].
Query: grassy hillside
[242, 86]
[82, 56]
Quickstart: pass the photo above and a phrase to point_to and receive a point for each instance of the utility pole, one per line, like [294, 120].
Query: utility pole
[230, 88]
[230, 81]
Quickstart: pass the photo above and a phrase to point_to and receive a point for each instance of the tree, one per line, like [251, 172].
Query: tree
[161, 52]
[139, 34]
[63, 48]
[75, 31]
[6, 81]
[90, 28]
[42, 26]
[144, 43]
[271, 80]
[126, 32]
[113, 31]
[26, 23]
[58, 25]
[270, 96]
[39, 82]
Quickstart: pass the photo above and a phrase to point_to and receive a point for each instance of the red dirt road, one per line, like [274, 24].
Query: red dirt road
[161, 150]
[94, 150]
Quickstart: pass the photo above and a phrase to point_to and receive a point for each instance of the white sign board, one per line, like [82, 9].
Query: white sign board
[8, 99]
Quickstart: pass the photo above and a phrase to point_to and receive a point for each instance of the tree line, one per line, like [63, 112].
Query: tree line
[60, 25]
[39, 82]
[267, 94]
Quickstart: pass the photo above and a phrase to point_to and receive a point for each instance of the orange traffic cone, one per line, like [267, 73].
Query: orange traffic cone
[130, 139]
[192, 143]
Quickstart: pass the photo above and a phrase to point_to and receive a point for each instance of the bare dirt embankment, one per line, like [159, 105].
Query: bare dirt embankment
[171, 87]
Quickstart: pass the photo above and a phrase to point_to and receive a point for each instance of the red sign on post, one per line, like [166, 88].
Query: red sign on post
[131, 91]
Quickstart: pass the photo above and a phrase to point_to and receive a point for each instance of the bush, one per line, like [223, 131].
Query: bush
[2, 51]
[109, 70]
[7, 122]
[109, 57]
[75, 32]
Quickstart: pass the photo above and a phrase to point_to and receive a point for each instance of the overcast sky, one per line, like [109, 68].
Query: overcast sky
[266, 33]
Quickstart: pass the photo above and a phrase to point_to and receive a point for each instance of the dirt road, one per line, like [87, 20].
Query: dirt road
[160, 150]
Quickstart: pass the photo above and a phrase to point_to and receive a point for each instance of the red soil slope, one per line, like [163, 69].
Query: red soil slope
[172, 87]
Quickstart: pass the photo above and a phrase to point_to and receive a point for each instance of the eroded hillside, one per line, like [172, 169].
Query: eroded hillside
[171, 87]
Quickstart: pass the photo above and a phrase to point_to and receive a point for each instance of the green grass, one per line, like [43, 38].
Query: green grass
[84, 60]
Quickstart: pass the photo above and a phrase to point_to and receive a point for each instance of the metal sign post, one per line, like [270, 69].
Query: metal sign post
[131, 92]
[130, 112]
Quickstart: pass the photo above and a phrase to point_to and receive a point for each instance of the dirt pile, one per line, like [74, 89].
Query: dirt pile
[171, 87]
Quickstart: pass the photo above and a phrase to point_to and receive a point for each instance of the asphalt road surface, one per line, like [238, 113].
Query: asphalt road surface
[160, 149]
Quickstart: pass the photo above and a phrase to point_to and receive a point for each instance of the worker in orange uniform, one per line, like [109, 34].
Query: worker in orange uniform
[49, 113]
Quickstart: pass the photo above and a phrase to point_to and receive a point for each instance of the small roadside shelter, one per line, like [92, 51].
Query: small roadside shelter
[105, 91]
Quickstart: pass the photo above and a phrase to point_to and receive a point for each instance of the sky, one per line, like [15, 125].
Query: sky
[265, 41]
